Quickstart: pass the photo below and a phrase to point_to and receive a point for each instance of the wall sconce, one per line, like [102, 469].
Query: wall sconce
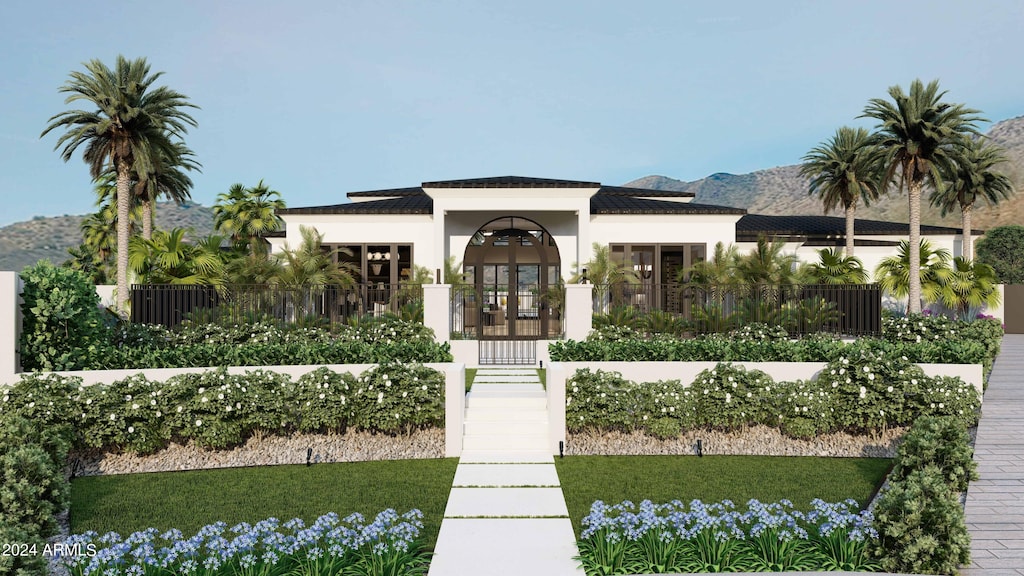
[377, 260]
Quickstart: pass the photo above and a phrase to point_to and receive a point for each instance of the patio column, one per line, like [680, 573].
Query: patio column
[437, 310]
[579, 310]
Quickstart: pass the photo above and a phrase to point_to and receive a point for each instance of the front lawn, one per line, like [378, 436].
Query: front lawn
[190, 500]
[660, 479]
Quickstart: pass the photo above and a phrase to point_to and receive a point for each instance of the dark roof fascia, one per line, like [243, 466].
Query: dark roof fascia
[819, 226]
[417, 191]
[405, 205]
[511, 182]
[613, 204]
[643, 192]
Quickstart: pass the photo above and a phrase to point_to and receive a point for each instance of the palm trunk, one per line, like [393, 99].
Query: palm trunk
[914, 192]
[123, 222]
[147, 219]
[968, 250]
[849, 229]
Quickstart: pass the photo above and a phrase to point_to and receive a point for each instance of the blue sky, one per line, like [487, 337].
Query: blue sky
[319, 98]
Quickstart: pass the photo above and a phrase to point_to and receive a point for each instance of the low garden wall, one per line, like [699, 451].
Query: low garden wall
[559, 372]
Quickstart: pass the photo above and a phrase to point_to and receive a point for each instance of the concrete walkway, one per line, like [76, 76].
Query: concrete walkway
[995, 503]
[506, 514]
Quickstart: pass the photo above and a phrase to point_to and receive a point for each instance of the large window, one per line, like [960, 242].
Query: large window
[660, 270]
[379, 263]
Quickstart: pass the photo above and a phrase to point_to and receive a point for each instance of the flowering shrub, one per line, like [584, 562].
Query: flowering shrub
[217, 409]
[600, 399]
[729, 396]
[386, 546]
[947, 396]
[674, 537]
[870, 389]
[802, 409]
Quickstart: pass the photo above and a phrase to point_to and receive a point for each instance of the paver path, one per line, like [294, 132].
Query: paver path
[506, 514]
[995, 503]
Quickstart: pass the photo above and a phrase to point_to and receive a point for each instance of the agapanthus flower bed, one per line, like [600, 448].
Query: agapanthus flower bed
[331, 545]
[718, 537]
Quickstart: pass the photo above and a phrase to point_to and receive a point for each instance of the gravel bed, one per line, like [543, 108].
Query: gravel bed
[753, 441]
[265, 450]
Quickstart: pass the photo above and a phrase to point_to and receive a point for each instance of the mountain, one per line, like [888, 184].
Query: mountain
[782, 191]
[25, 243]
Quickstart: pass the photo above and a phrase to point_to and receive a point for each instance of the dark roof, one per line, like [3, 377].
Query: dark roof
[752, 225]
[840, 242]
[622, 204]
[409, 204]
[627, 191]
[511, 182]
[393, 192]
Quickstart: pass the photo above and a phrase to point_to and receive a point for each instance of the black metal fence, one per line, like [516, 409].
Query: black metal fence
[170, 304]
[496, 312]
[853, 310]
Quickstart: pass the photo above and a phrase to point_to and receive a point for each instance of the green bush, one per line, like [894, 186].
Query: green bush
[395, 397]
[601, 400]
[921, 526]
[62, 325]
[802, 409]
[30, 564]
[32, 484]
[937, 441]
[869, 389]
[946, 396]
[322, 399]
[729, 397]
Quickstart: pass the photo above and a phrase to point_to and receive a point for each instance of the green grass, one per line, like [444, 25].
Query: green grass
[613, 479]
[190, 500]
[470, 376]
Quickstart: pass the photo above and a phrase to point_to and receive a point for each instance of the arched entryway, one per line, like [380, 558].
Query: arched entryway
[513, 266]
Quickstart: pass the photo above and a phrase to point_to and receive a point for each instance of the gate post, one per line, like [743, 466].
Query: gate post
[436, 310]
[579, 310]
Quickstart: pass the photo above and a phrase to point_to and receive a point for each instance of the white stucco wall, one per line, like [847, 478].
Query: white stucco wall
[663, 229]
[415, 229]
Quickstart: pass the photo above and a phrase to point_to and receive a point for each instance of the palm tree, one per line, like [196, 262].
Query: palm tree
[918, 133]
[844, 171]
[974, 177]
[718, 271]
[246, 214]
[767, 264]
[168, 259]
[833, 267]
[968, 285]
[132, 125]
[894, 272]
[603, 272]
[311, 266]
[167, 177]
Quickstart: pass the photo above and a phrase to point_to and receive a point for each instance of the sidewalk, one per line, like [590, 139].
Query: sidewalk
[995, 503]
[506, 514]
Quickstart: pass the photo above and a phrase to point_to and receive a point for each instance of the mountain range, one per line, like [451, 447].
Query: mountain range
[775, 191]
[782, 191]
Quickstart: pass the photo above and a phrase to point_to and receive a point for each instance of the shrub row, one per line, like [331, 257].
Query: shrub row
[919, 518]
[33, 489]
[218, 410]
[64, 329]
[857, 392]
[970, 343]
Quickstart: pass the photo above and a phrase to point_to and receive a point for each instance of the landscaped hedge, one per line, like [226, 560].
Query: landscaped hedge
[33, 488]
[918, 339]
[64, 329]
[857, 392]
[219, 410]
[919, 518]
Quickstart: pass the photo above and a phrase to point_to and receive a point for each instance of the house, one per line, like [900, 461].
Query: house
[518, 237]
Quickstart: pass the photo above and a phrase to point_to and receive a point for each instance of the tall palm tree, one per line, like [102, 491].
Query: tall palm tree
[843, 171]
[245, 214]
[918, 133]
[132, 124]
[974, 178]
[166, 177]
[893, 273]
[833, 267]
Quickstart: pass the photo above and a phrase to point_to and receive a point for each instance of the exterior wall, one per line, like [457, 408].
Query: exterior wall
[563, 227]
[10, 326]
[415, 229]
[662, 229]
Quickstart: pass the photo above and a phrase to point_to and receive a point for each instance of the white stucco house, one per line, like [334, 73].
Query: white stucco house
[512, 232]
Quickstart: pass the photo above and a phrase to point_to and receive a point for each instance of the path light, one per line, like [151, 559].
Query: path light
[309, 456]
[561, 448]
[700, 449]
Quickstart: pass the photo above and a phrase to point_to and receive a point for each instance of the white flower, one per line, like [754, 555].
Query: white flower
[199, 422]
[728, 398]
[131, 429]
[220, 396]
[135, 406]
[889, 389]
[863, 392]
[113, 417]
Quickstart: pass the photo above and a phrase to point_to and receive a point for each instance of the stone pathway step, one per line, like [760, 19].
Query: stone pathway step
[508, 475]
[506, 457]
[506, 503]
[505, 547]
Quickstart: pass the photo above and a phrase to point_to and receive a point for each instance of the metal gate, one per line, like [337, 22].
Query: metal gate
[508, 352]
